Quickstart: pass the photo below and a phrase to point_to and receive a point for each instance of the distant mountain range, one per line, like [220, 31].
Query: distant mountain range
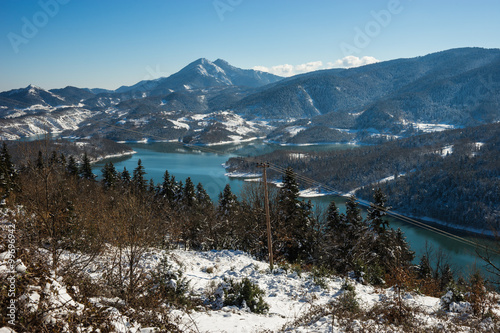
[211, 102]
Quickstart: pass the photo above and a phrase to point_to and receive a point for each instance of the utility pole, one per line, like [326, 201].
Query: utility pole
[264, 166]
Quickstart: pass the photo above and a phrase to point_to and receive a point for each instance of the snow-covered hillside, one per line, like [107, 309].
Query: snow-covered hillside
[52, 121]
[298, 301]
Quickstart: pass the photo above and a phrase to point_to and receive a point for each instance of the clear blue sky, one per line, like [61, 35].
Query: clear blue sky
[109, 43]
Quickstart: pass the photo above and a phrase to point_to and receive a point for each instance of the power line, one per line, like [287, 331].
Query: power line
[330, 189]
[393, 214]
[303, 179]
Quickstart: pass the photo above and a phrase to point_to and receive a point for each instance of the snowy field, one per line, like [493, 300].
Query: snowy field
[297, 300]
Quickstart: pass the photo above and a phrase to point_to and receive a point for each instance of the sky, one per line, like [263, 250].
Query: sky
[110, 43]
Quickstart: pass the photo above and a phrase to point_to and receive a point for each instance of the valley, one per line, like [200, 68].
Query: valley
[213, 102]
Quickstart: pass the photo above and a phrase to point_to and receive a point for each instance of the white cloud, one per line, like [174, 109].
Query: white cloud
[287, 70]
[352, 61]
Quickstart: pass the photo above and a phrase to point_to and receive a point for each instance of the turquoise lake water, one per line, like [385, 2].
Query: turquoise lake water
[205, 165]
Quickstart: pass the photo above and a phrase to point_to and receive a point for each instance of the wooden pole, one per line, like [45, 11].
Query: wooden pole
[264, 166]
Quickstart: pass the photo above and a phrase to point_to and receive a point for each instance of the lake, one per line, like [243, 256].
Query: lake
[205, 165]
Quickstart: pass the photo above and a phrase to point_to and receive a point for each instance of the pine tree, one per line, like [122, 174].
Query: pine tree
[353, 246]
[446, 277]
[86, 169]
[295, 219]
[334, 247]
[424, 269]
[125, 176]
[62, 159]
[188, 194]
[335, 223]
[53, 158]
[40, 164]
[377, 212]
[168, 187]
[227, 211]
[151, 186]
[353, 214]
[72, 166]
[109, 175]
[201, 217]
[178, 193]
[7, 173]
[402, 249]
[202, 198]
[138, 179]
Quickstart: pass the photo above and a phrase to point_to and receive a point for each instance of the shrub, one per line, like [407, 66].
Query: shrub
[453, 295]
[245, 294]
[347, 302]
[170, 285]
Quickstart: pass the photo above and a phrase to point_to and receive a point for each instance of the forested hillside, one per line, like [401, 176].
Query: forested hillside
[369, 104]
[94, 254]
[453, 176]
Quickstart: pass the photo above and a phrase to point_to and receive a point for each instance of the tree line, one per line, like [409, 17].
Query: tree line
[460, 188]
[67, 220]
[65, 208]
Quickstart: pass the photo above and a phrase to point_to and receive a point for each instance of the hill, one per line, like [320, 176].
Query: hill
[374, 103]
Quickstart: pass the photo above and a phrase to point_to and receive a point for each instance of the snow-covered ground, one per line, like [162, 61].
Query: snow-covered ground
[296, 299]
[429, 128]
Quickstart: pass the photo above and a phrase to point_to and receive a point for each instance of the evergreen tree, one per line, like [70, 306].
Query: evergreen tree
[178, 193]
[335, 231]
[152, 186]
[109, 175]
[424, 269]
[377, 212]
[53, 158]
[168, 187]
[295, 219]
[86, 169]
[188, 194]
[227, 211]
[202, 216]
[402, 249]
[7, 173]
[353, 214]
[40, 164]
[228, 201]
[72, 166]
[446, 277]
[138, 179]
[202, 198]
[205, 215]
[335, 223]
[353, 243]
[62, 159]
[125, 176]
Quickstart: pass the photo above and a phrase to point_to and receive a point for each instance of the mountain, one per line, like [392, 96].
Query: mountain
[29, 96]
[458, 88]
[73, 95]
[203, 74]
[373, 103]
[353, 90]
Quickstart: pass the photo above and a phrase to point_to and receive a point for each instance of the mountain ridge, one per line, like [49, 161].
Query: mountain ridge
[381, 101]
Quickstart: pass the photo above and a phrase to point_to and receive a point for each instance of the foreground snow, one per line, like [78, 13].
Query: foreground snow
[290, 295]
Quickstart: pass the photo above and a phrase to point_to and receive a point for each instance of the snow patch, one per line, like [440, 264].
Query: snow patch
[429, 128]
[179, 125]
[294, 130]
[447, 150]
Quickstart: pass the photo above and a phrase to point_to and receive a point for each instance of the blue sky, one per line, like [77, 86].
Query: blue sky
[109, 43]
